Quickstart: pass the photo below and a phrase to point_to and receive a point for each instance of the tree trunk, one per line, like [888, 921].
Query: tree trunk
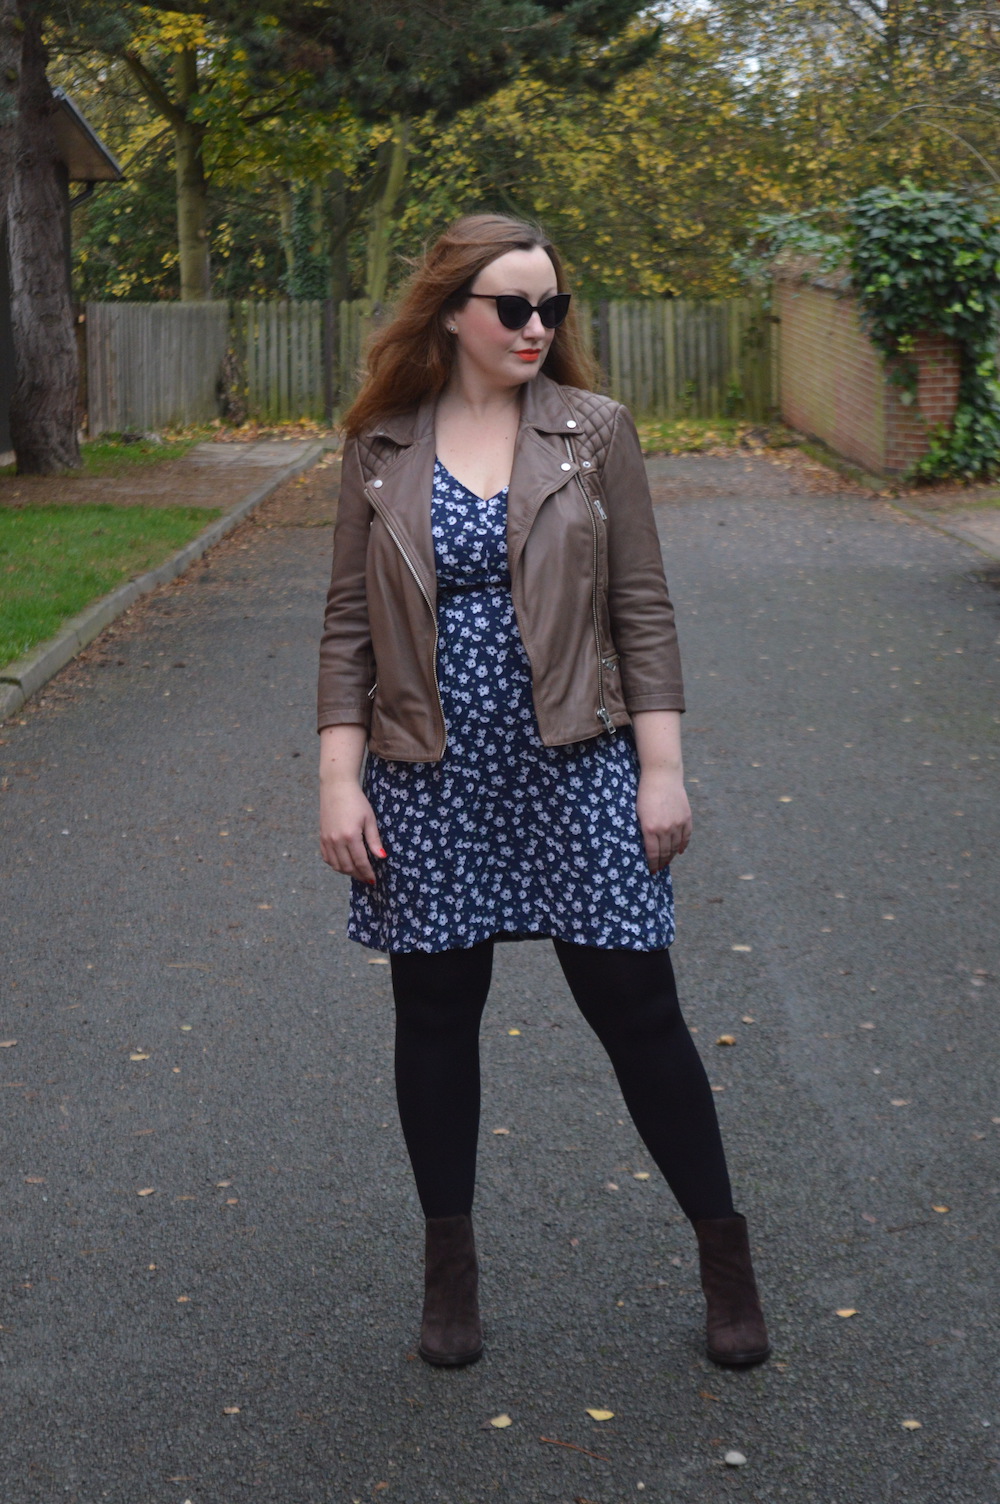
[394, 158]
[286, 209]
[10, 69]
[192, 185]
[338, 256]
[43, 415]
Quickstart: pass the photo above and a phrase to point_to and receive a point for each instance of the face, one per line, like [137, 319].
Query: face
[498, 356]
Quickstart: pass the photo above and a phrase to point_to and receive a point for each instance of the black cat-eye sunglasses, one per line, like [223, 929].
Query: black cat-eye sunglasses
[514, 312]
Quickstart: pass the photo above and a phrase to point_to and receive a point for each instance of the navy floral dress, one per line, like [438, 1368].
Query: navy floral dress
[504, 837]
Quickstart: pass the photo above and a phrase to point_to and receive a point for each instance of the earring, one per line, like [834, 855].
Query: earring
[452, 329]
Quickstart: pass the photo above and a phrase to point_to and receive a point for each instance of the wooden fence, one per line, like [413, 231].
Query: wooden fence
[674, 358]
[154, 364]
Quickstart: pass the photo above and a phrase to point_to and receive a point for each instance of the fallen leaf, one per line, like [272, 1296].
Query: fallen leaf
[230, 1409]
[139, 1055]
[513, 1031]
[784, 799]
[501, 1131]
[147, 1191]
[501, 1422]
[734, 1459]
[379, 1486]
[911, 1425]
[718, 1088]
[183, 1300]
[7, 1044]
[900, 1101]
[609, 1185]
[846, 1311]
[707, 1395]
[888, 916]
[186, 1028]
[940, 1208]
[34, 1179]
[866, 1026]
[601, 1414]
[553, 1441]
[867, 1217]
[232, 1201]
[640, 1174]
[726, 1039]
[223, 1185]
[746, 877]
[378, 961]
[741, 947]
[263, 906]
[748, 1019]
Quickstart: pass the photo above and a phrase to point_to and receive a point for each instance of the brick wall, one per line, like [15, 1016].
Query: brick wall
[835, 386]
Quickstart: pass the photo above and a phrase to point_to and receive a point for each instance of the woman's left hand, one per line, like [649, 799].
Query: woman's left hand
[664, 817]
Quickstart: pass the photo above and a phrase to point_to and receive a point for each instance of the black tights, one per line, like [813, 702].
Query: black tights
[630, 1001]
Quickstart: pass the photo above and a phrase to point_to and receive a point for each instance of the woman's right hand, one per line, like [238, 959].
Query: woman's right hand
[347, 826]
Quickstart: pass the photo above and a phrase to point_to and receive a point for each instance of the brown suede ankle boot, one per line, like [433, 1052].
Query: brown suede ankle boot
[736, 1332]
[451, 1334]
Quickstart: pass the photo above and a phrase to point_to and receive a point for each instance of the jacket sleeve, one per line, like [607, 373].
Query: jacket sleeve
[346, 660]
[642, 617]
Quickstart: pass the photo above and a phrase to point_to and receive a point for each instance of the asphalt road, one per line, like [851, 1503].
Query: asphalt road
[210, 1244]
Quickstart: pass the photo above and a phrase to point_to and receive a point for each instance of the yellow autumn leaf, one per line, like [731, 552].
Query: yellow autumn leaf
[911, 1425]
[501, 1422]
[138, 1055]
[513, 1031]
[640, 1174]
[846, 1311]
[230, 1409]
[741, 947]
[147, 1191]
[502, 1132]
[726, 1039]
[940, 1208]
[601, 1414]
[7, 1044]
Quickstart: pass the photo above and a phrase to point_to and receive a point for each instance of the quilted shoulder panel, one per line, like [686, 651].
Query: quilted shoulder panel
[375, 453]
[597, 415]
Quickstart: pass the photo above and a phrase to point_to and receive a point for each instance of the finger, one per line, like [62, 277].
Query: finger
[361, 866]
[372, 838]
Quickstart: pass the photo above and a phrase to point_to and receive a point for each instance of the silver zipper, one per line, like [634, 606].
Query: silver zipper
[409, 564]
[593, 505]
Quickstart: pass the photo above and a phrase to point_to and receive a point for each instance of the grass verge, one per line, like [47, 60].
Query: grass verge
[699, 435]
[110, 455]
[55, 560]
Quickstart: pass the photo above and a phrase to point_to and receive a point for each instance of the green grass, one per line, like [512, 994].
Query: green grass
[693, 435]
[109, 456]
[55, 560]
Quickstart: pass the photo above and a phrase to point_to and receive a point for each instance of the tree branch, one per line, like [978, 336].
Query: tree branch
[154, 90]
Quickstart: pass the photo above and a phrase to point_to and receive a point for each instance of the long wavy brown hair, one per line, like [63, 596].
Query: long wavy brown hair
[412, 357]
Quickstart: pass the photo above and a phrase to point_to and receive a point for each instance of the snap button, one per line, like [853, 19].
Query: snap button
[565, 465]
[586, 464]
[376, 484]
[570, 422]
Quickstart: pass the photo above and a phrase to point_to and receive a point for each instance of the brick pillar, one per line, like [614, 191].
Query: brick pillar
[835, 385]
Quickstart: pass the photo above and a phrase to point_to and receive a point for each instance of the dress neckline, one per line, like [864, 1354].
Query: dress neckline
[468, 489]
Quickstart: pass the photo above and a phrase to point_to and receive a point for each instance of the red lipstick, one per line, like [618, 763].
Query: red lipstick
[528, 356]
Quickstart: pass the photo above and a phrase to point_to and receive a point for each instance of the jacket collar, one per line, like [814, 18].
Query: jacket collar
[544, 407]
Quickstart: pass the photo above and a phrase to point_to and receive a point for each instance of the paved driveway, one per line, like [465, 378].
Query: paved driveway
[210, 1243]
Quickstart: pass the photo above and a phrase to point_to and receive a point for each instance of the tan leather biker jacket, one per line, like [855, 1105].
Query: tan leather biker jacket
[586, 578]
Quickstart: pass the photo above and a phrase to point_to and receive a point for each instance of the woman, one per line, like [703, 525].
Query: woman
[500, 643]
